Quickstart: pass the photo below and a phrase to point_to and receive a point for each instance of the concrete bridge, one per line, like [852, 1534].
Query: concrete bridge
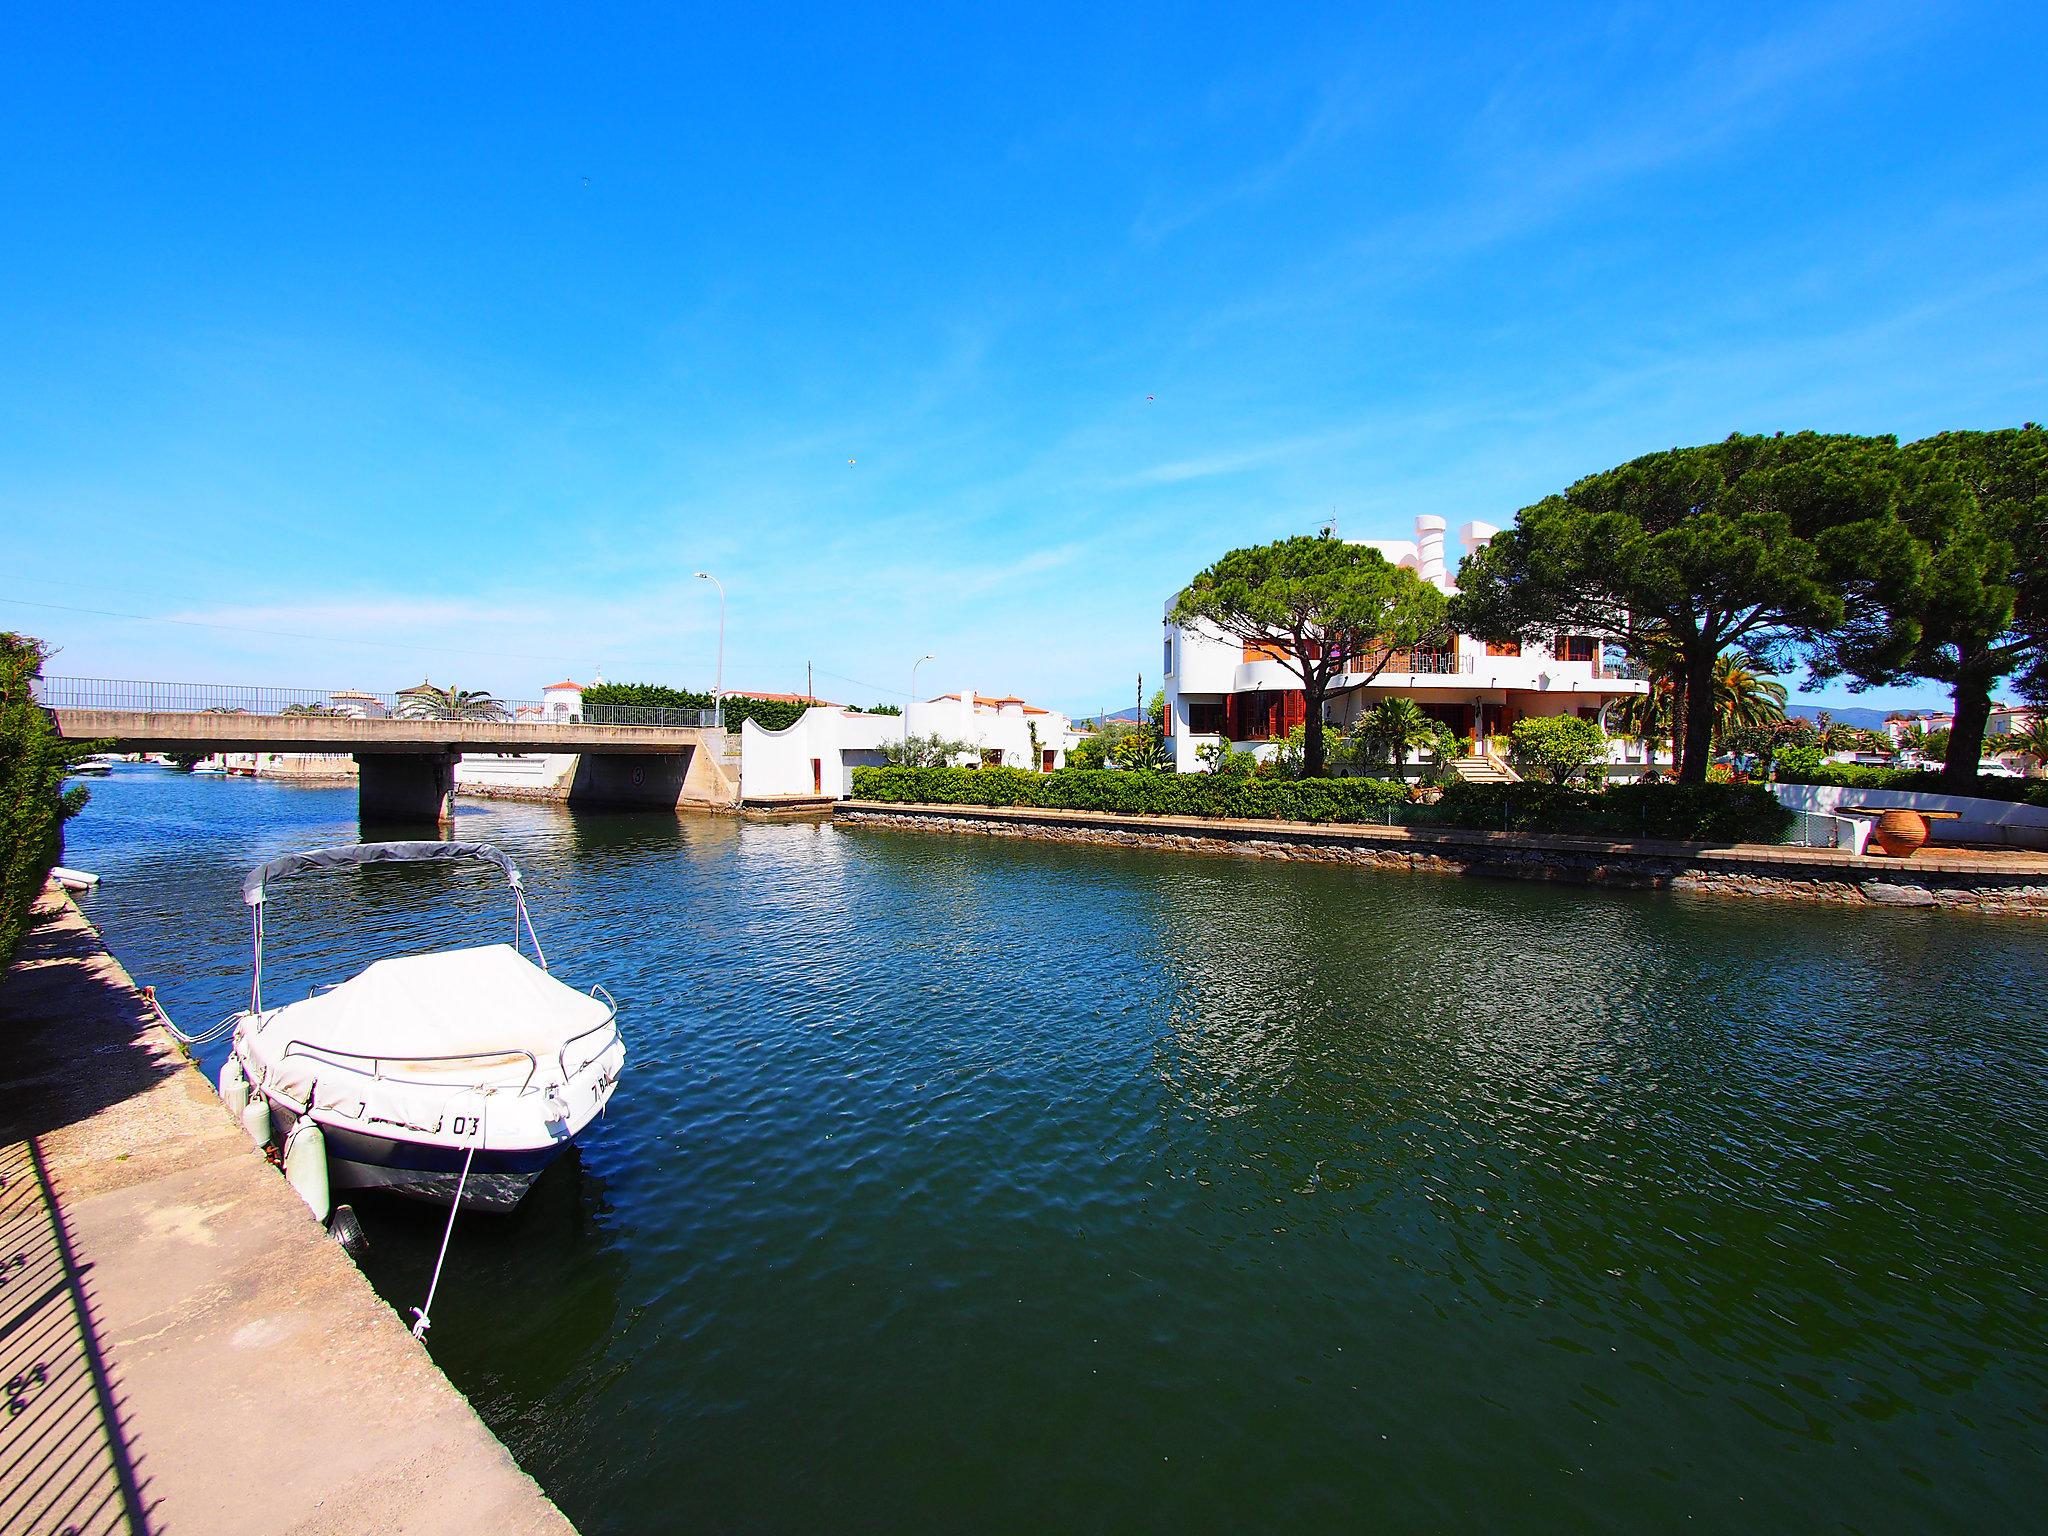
[405, 763]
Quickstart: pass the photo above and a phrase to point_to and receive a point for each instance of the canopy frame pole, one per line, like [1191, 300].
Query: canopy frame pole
[256, 974]
[523, 916]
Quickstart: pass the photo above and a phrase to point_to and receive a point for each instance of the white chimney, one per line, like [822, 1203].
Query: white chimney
[1429, 550]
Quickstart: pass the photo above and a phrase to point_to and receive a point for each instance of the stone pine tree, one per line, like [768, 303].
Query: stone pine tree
[1696, 550]
[1954, 588]
[1319, 606]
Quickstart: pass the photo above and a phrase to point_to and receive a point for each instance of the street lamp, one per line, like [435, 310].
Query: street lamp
[913, 696]
[718, 684]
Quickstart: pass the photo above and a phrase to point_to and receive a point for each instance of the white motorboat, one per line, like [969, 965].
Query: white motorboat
[97, 766]
[458, 1074]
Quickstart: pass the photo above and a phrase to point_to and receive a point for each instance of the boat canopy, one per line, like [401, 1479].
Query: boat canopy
[347, 854]
[444, 1013]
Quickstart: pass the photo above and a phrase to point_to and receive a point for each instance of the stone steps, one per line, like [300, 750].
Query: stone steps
[1482, 770]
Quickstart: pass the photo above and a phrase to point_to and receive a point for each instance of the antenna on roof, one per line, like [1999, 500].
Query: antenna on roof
[1329, 529]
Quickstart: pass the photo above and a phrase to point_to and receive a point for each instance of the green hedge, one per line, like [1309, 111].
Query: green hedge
[1135, 794]
[1919, 780]
[1692, 813]
[34, 804]
[1703, 813]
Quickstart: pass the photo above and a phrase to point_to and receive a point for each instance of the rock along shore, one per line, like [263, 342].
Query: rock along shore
[189, 1349]
[2002, 883]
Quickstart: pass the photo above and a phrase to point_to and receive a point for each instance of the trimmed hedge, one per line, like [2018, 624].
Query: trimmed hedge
[1919, 780]
[1136, 794]
[1690, 813]
[1701, 813]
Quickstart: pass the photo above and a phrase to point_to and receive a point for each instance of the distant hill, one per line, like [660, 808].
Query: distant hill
[1131, 715]
[1864, 719]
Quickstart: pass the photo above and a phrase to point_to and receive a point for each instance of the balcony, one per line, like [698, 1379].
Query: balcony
[1414, 663]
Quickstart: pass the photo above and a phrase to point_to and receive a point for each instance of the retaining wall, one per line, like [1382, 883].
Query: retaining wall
[2012, 884]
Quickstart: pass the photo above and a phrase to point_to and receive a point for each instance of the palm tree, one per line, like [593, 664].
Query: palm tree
[1393, 728]
[1743, 696]
[426, 702]
[2034, 742]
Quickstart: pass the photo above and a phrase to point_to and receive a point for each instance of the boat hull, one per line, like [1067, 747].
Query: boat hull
[498, 1177]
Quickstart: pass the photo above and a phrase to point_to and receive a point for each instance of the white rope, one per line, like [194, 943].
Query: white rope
[419, 1328]
[204, 1037]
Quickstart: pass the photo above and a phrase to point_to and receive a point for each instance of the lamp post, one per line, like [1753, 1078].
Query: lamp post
[913, 696]
[718, 683]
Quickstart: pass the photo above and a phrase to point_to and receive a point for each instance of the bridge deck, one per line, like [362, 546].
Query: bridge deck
[134, 730]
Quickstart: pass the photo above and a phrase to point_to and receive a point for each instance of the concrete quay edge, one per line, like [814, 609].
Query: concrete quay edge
[252, 1380]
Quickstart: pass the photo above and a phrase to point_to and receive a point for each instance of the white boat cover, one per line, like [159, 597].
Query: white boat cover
[486, 1005]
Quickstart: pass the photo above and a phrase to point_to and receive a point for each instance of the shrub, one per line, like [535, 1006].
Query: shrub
[933, 751]
[34, 804]
[1136, 793]
[1560, 747]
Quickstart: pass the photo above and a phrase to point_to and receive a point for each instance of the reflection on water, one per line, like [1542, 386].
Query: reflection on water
[960, 1184]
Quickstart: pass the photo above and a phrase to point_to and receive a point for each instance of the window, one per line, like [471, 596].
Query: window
[1259, 650]
[1503, 647]
[1169, 656]
[991, 757]
[1573, 648]
[1205, 717]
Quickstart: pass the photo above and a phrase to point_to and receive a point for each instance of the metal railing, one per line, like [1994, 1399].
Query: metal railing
[339, 703]
[1415, 663]
[634, 714]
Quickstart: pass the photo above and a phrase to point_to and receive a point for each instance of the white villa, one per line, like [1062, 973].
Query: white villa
[1221, 689]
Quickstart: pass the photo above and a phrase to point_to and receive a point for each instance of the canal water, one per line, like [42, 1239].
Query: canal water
[970, 1185]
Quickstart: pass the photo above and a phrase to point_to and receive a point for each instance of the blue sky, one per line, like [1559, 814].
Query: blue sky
[373, 342]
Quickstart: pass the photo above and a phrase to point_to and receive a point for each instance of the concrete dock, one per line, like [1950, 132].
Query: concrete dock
[182, 1347]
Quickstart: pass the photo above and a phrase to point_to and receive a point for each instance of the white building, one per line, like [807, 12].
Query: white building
[817, 755]
[1219, 688]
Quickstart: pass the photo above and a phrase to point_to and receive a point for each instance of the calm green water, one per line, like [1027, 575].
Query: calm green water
[964, 1185]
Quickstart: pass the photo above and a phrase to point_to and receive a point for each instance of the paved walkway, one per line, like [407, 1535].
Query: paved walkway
[182, 1347]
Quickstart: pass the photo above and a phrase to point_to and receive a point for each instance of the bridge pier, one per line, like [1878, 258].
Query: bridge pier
[406, 787]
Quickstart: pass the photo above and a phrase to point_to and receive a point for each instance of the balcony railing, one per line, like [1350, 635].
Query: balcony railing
[235, 699]
[1623, 669]
[1416, 663]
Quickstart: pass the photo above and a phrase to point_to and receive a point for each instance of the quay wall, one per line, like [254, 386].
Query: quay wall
[2006, 884]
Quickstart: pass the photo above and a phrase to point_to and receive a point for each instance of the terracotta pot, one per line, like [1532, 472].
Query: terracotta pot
[1900, 832]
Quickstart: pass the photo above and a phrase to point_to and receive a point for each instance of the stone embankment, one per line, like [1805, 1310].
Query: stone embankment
[2005, 883]
[185, 1348]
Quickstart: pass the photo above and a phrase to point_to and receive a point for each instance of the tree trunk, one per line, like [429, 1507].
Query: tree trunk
[1312, 733]
[1966, 736]
[1699, 718]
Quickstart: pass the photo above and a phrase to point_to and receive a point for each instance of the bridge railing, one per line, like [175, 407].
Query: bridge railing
[237, 699]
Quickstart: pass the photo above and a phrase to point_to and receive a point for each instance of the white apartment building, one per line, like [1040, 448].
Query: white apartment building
[1218, 688]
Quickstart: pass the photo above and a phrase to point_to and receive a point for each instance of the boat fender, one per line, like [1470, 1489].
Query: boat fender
[305, 1166]
[256, 1120]
[558, 1107]
[234, 1087]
